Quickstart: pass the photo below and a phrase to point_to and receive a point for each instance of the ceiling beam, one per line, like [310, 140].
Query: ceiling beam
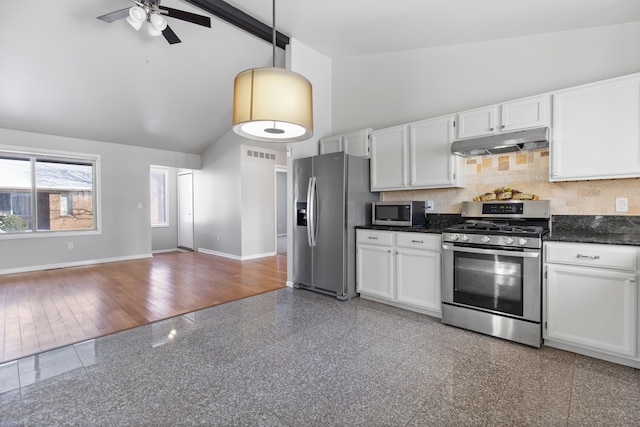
[241, 20]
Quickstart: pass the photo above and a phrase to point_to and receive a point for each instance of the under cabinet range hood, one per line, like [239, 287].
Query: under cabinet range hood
[505, 142]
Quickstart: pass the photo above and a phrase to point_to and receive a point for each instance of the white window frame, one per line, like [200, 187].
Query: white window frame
[165, 172]
[95, 159]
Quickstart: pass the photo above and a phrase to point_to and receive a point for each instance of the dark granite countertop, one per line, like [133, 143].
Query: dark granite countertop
[601, 229]
[435, 224]
[422, 229]
[601, 238]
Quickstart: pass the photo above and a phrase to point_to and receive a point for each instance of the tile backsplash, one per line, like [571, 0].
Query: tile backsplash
[529, 172]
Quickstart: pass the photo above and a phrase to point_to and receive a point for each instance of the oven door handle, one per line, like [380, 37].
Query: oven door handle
[532, 254]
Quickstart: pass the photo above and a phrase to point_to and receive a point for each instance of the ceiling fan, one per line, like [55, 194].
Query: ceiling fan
[151, 12]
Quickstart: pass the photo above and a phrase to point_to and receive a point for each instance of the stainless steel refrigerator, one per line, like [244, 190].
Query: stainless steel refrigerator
[331, 196]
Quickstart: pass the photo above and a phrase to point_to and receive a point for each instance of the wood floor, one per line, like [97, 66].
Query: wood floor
[47, 309]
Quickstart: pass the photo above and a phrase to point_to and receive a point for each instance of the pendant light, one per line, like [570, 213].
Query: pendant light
[272, 104]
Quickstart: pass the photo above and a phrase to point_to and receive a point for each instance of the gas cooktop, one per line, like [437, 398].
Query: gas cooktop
[478, 227]
[509, 224]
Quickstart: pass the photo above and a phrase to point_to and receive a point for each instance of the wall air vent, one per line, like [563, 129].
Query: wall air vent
[261, 155]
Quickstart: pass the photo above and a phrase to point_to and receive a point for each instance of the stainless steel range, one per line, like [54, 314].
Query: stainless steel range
[492, 269]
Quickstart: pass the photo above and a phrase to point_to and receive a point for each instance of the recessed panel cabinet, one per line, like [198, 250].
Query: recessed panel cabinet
[416, 155]
[520, 114]
[375, 270]
[591, 299]
[389, 162]
[401, 269]
[596, 131]
[353, 143]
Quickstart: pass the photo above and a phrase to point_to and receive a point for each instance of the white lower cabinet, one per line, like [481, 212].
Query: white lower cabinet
[375, 270]
[401, 269]
[591, 300]
[417, 272]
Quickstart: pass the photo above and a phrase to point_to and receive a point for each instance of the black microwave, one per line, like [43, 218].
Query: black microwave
[402, 214]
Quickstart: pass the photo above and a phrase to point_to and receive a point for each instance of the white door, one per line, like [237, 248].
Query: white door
[185, 210]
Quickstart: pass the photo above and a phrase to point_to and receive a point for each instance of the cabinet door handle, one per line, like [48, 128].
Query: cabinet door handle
[417, 241]
[588, 256]
[491, 129]
[504, 126]
[373, 238]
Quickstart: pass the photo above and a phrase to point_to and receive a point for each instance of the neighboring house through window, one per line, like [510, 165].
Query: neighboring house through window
[42, 193]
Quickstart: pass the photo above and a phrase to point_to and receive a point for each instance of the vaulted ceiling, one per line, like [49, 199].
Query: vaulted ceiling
[63, 72]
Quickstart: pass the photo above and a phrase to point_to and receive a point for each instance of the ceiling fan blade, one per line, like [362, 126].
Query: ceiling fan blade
[170, 36]
[205, 21]
[114, 16]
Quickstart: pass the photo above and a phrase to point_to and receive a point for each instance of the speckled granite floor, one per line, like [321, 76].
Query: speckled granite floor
[295, 358]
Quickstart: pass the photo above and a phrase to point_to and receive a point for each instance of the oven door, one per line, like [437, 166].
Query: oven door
[497, 280]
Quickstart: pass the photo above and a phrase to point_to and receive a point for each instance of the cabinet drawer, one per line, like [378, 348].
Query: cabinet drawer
[604, 256]
[375, 237]
[419, 240]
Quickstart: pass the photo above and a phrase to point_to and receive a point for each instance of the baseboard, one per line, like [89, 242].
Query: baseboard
[162, 251]
[72, 264]
[236, 257]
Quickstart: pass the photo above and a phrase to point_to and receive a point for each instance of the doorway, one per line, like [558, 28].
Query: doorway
[185, 210]
[281, 209]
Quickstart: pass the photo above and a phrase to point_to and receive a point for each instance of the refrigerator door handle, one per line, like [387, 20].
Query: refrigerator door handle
[311, 211]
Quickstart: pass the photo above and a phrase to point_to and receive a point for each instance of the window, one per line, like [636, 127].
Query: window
[45, 192]
[66, 203]
[159, 198]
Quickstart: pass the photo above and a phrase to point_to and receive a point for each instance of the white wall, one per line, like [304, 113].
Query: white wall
[281, 203]
[258, 203]
[217, 198]
[382, 90]
[234, 199]
[124, 183]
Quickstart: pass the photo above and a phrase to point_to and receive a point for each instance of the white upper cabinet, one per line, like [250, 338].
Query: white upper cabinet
[353, 143]
[357, 143]
[596, 131]
[416, 155]
[520, 114]
[525, 113]
[388, 163]
[431, 163]
[331, 144]
[478, 122]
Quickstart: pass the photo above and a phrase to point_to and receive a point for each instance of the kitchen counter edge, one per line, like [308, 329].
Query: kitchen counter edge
[597, 238]
[432, 230]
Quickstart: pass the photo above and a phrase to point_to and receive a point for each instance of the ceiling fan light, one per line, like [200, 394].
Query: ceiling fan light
[158, 22]
[137, 16]
[272, 104]
[152, 30]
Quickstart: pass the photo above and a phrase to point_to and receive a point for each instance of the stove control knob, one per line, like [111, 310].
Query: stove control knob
[455, 237]
[522, 241]
[486, 239]
[465, 238]
[508, 240]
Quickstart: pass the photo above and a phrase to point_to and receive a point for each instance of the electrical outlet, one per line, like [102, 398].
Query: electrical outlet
[70, 245]
[622, 204]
